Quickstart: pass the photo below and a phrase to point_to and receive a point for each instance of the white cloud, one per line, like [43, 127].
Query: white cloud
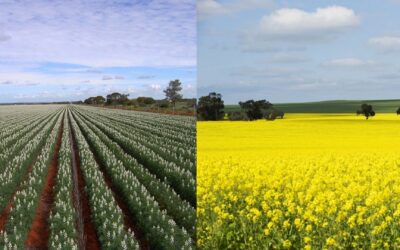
[155, 87]
[385, 43]
[210, 7]
[100, 33]
[288, 27]
[213, 7]
[4, 37]
[119, 77]
[106, 78]
[287, 58]
[285, 23]
[6, 83]
[145, 77]
[349, 62]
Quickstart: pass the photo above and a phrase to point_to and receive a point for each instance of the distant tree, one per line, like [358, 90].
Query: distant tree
[163, 104]
[274, 114]
[89, 101]
[237, 116]
[143, 101]
[95, 100]
[172, 92]
[254, 109]
[99, 100]
[117, 98]
[131, 102]
[211, 107]
[398, 111]
[366, 110]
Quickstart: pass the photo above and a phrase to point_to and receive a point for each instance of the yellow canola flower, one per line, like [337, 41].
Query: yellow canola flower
[332, 178]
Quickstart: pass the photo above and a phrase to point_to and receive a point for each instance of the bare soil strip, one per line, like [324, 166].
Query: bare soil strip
[87, 234]
[38, 235]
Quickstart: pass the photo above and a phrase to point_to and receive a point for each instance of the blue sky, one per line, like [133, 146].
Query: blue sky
[294, 51]
[70, 50]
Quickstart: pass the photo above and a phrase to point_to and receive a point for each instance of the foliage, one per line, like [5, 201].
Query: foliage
[143, 101]
[366, 110]
[98, 100]
[254, 109]
[211, 107]
[272, 114]
[117, 98]
[172, 91]
[237, 116]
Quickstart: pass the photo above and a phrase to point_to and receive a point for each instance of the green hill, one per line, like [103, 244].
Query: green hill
[336, 106]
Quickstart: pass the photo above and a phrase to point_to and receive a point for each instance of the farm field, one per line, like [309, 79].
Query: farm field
[336, 106]
[77, 177]
[309, 181]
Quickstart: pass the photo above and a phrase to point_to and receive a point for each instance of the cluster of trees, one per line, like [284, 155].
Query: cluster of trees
[366, 110]
[172, 96]
[211, 108]
[97, 100]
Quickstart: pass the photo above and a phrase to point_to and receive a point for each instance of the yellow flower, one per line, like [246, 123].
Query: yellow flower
[330, 242]
[307, 239]
[297, 222]
[286, 224]
[287, 244]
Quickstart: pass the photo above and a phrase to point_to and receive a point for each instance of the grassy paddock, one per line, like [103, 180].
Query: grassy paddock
[339, 106]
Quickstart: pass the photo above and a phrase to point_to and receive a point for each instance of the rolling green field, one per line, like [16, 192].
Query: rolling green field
[337, 106]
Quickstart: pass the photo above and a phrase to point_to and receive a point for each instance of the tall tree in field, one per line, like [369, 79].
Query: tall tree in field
[211, 107]
[398, 111]
[366, 110]
[172, 92]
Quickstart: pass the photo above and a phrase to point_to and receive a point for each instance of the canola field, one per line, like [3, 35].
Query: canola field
[309, 181]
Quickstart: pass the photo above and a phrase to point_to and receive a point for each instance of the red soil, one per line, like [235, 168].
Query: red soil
[87, 234]
[38, 235]
[6, 212]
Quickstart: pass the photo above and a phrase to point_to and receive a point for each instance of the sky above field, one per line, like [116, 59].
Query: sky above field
[70, 50]
[294, 51]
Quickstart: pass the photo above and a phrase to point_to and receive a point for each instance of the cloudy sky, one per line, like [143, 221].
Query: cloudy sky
[68, 50]
[293, 51]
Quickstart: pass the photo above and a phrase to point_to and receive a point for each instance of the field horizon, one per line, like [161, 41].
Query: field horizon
[331, 106]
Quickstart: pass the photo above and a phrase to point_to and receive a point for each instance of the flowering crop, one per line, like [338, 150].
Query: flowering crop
[158, 226]
[26, 200]
[75, 177]
[304, 182]
[64, 234]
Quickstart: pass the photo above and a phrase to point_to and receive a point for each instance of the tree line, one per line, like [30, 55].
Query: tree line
[211, 108]
[172, 97]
